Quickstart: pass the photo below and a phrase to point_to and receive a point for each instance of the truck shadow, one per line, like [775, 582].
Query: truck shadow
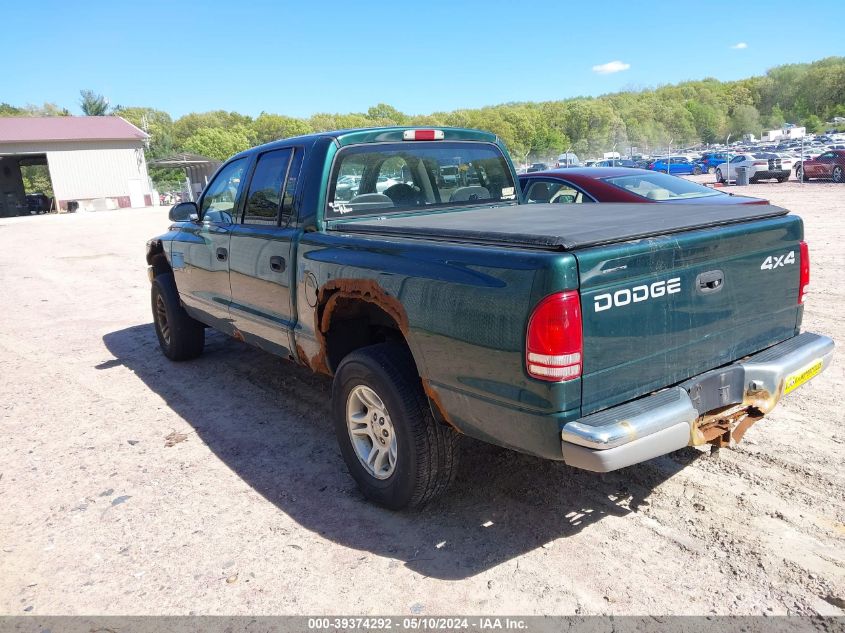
[268, 420]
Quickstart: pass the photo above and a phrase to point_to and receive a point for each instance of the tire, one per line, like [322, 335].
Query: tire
[753, 181]
[783, 178]
[838, 176]
[719, 176]
[425, 452]
[711, 170]
[800, 175]
[696, 171]
[179, 336]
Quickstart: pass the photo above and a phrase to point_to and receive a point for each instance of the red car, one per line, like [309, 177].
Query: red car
[620, 184]
[829, 165]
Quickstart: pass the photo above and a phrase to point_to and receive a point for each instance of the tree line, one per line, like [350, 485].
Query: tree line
[683, 114]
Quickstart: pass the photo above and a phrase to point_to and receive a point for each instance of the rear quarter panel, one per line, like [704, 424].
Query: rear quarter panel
[466, 311]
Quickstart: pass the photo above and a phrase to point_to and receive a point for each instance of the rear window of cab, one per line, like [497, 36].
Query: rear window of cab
[383, 178]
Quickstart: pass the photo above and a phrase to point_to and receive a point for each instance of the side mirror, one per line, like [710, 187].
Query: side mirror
[184, 212]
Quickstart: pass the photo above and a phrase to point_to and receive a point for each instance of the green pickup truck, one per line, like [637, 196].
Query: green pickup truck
[602, 335]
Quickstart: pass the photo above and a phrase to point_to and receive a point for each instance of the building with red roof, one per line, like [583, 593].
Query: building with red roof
[94, 162]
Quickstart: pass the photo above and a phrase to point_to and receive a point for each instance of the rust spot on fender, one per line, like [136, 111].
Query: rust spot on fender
[368, 290]
[238, 336]
[330, 299]
[437, 404]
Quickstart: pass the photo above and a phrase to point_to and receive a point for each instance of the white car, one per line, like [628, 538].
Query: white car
[759, 167]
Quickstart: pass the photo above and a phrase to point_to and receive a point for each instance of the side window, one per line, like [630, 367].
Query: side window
[221, 196]
[738, 159]
[288, 211]
[553, 192]
[265, 188]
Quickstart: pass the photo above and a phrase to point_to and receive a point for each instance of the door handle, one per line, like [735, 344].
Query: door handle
[711, 281]
[222, 254]
[277, 264]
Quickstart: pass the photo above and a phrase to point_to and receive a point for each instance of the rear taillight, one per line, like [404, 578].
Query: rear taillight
[554, 341]
[804, 279]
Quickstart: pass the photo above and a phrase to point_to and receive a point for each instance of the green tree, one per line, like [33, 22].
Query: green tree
[383, 114]
[156, 123]
[93, 104]
[272, 127]
[745, 119]
[217, 143]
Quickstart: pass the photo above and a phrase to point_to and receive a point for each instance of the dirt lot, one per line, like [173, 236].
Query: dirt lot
[132, 485]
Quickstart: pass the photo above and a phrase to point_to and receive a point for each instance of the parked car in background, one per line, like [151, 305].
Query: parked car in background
[568, 159]
[676, 165]
[619, 184]
[758, 167]
[711, 159]
[537, 167]
[37, 203]
[828, 165]
[616, 162]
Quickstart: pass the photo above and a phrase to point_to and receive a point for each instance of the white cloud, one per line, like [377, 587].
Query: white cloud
[739, 46]
[611, 67]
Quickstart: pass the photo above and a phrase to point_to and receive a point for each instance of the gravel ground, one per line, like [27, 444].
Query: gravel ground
[132, 485]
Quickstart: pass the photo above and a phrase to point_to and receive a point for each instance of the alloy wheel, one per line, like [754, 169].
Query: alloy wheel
[371, 431]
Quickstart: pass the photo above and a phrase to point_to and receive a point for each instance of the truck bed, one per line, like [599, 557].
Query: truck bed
[560, 227]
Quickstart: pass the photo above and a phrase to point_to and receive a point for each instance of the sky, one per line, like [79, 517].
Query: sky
[303, 57]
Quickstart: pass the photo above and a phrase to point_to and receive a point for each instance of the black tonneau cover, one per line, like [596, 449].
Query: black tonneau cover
[561, 226]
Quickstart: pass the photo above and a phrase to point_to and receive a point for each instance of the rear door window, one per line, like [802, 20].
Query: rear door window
[263, 202]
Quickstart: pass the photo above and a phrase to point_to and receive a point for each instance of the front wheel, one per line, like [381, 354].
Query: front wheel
[719, 177]
[838, 176]
[179, 336]
[711, 170]
[783, 178]
[801, 176]
[696, 171]
[398, 454]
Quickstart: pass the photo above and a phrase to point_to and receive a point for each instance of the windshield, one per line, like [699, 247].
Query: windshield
[414, 176]
[658, 186]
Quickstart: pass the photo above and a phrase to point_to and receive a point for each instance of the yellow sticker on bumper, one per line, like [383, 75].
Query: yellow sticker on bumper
[793, 381]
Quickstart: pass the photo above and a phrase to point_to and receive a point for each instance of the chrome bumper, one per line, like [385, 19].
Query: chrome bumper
[666, 421]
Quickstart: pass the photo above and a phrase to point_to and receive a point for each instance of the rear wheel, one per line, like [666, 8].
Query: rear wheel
[179, 336]
[838, 175]
[398, 454]
[783, 178]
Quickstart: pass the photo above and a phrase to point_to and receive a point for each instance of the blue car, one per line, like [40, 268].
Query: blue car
[677, 166]
[710, 160]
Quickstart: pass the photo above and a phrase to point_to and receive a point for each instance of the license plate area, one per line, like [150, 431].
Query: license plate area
[717, 389]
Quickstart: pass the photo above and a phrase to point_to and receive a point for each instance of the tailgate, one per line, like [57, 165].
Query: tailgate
[660, 310]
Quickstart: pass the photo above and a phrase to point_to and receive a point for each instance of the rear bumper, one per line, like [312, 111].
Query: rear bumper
[669, 420]
[771, 173]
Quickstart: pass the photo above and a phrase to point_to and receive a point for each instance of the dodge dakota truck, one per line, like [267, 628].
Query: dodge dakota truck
[602, 335]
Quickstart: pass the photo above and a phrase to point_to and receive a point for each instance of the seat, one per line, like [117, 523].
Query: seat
[369, 202]
[465, 194]
[540, 193]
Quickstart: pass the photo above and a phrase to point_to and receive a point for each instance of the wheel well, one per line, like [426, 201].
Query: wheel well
[353, 324]
[157, 259]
